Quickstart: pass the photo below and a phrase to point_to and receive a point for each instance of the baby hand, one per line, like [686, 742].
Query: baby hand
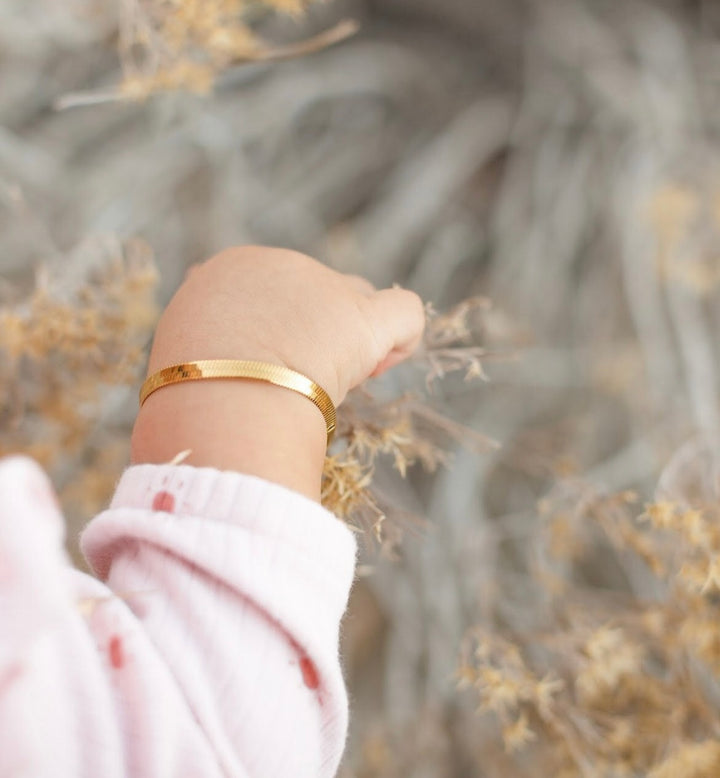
[277, 306]
[280, 306]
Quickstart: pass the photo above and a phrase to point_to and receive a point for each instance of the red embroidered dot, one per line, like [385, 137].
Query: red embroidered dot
[116, 652]
[12, 674]
[309, 673]
[163, 501]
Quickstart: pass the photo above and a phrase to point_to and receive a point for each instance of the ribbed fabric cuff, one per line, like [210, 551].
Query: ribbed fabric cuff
[257, 505]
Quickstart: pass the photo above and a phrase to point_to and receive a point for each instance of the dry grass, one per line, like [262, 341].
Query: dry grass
[69, 352]
[404, 430]
[169, 45]
[605, 682]
[555, 156]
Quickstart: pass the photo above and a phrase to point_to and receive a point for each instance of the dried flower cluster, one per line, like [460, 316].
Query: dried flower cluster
[605, 683]
[63, 352]
[168, 45]
[184, 44]
[405, 430]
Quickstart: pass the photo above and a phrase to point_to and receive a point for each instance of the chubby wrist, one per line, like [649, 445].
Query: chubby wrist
[235, 424]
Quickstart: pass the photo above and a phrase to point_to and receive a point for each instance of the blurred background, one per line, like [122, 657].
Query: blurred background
[558, 157]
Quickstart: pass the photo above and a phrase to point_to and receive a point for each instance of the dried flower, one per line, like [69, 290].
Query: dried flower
[404, 431]
[186, 44]
[62, 349]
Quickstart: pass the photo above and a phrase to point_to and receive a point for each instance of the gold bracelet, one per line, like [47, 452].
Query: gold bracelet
[238, 368]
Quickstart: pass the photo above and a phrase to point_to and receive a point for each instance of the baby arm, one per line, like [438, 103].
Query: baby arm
[274, 306]
[240, 576]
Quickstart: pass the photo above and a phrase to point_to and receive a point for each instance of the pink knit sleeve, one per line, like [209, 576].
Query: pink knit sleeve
[209, 647]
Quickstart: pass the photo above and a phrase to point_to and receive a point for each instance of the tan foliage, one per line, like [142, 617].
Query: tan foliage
[63, 351]
[403, 430]
[630, 689]
[169, 45]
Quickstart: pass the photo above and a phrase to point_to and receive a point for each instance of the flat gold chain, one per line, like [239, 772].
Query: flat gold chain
[239, 368]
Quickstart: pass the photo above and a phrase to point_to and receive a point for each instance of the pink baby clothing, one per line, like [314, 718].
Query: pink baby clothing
[207, 645]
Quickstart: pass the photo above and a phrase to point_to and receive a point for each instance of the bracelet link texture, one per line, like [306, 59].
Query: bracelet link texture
[238, 368]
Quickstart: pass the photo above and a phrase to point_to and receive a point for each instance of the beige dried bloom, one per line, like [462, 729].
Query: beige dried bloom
[404, 431]
[448, 345]
[345, 489]
[518, 734]
[170, 45]
[691, 760]
[62, 350]
[611, 658]
[662, 515]
[628, 694]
